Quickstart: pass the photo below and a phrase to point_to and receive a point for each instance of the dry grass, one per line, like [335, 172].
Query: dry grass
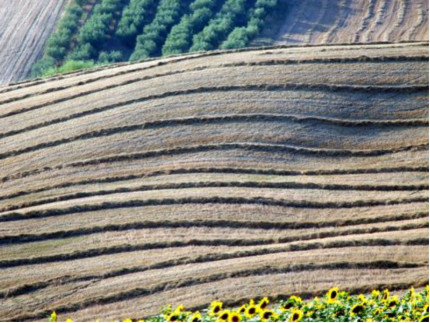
[288, 171]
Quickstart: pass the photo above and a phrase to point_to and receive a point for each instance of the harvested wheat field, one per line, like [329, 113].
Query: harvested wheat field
[24, 27]
[347, 21]
[220, 175]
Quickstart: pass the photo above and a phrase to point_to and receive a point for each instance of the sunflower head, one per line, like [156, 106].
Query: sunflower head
[179, 309]
[251, 311]
[196, 317]
[234, 317]
[263, 303]
[332, 294]
[376, 294]
[127, 320]
[266, 315]
[357, 309]
[392, 301]
[385, 294]
[173, 317]
[242, 309]
[362, 299]
[424, 318]
[224, 316]
[215, 308]
[296, 315]
[69, 320]
[53, 317]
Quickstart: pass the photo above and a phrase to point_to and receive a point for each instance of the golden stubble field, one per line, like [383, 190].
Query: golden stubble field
[223, 175]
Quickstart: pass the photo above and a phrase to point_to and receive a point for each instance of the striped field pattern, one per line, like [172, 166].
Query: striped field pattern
[218, 175]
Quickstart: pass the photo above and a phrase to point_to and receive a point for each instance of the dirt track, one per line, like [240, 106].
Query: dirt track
[25, 26]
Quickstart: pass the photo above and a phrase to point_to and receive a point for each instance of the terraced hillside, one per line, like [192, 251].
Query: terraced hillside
[24, 27]
[342, 21]
[225, 175]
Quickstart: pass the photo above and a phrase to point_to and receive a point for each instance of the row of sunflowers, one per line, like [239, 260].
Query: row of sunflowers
[334, 306]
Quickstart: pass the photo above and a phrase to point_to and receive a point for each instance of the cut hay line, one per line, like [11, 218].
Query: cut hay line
[139, 292]
[90, 253]
[280, 62]
[248, 184]
[235, 118]
[190, 56]
[211, 89]
[15, 216]
[25, 238]
[180, 171]
[204, 258]
[222, 147]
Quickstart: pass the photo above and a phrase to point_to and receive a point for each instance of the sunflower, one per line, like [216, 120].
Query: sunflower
[69, 320]
[424, 318]
[287, 306]
[265, 315]
[173, 317]
[357, 309]
[224, 316]
[197, 317]
[53, 316]
[362, 299]
[295, 316]
[263, 303]
[179, 309]
[215, 308]
[332, 294]
[234, 317]
[242, 309]
[127, 320]
[376, 294]
[392, 302]
[251, 311]
[426, 308]
[385, 294]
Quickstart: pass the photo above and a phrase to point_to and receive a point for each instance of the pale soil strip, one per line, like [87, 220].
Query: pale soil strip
[206, 159]
[342, 106]
[312, 198]
[93, 265]
[253, 215]
[300, 51]
[269, 129]
[252, 78]
[384, 177]
[256, 62]
[72, 190]
[145, 261]
[113, 242]
[239, 289]
[199, 273]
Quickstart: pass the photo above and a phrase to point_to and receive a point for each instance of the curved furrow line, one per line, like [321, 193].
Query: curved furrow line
[190, 56]
[264, 270]
[16, 216]
[222, 147]
[401, 7]
[421, 20]
[247, 184]
[211, 89]
[180, 171]
[378, 20]
[328, 60]
[370, 12]
[318, 20]
[235, 118]
[261, 225]
[90, 253]
[341, 4]
[204, 258]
